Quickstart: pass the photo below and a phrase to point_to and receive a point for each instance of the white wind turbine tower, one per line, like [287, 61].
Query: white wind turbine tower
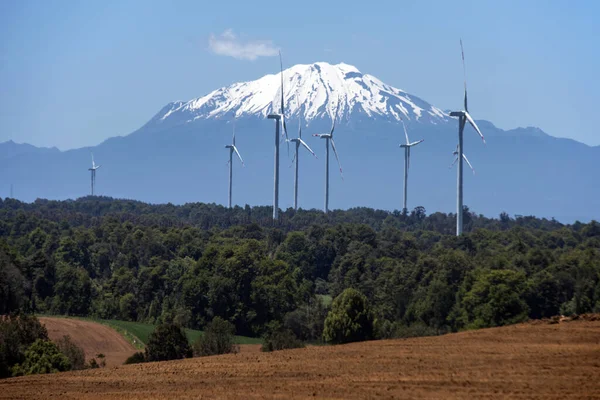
[298, 141]
[407, 147]
[93, 173]
[463, 117]
[232, 149]
[278, 118]
[329, 138]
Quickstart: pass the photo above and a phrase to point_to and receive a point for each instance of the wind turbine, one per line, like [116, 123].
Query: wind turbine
[232, 149]
[93, 173]
[279, 118]
[298, 141]
[463, 118]
[455, 153]
[329, 138]
[407, 147]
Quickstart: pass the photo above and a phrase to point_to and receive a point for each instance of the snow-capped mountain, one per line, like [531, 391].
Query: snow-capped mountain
[179, 155]
[312, 91]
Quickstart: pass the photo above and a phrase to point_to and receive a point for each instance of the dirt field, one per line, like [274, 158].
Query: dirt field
[92, 337]
[550, 361]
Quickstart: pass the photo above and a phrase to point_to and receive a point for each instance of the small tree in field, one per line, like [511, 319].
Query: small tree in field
[167, 342]
[73, 352]
[217, 339]
[350, 318]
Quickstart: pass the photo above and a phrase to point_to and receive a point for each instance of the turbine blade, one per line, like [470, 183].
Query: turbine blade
[307, 148]
[452, 165]
[462, 53]
[233, 140]
[93, 163]
[281, 69]
[284, 133]
[405, 133]
[98, 166]
[407, 159]
[334, 118]
[294, 158]
[238, 154]
[416, 143]
[336, 157]
[467, 160]
[474, 125]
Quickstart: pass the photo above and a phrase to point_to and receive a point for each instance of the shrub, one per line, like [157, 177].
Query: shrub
[217, 339]
[492, 298]
[136, 358]
[167, 342]
[95, 364]
[42, 357]
[350, 318]
[73, 352]
[279, 338]
[17, 333]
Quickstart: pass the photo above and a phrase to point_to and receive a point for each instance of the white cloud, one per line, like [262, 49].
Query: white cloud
[228, 44]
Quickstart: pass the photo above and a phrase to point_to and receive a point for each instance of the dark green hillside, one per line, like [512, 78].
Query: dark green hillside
[126, 260]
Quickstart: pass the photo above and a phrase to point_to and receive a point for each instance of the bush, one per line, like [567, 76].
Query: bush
[350, 318]
[167, 342]
[136, 358]
[492, 298]
[280, 338]
[217, 339]
[42, 357]
[17, 333]
[95, 364]
[73, 352]
[307, 321]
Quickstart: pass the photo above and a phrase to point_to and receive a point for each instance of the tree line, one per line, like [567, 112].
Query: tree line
[121, 259]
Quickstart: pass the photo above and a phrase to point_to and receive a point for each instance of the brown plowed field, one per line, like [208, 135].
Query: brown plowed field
[92, 337]
[558, 361]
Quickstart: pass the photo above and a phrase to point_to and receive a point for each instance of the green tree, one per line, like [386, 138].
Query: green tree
[17, 333]
[167, 342]
[218, 338]
[72, 290]
[493, 298]
[42, 357]
[127, 307]
[350, 318]
[73, 352]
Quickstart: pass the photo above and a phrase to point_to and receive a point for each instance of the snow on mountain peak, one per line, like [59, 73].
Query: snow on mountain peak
[311, 90]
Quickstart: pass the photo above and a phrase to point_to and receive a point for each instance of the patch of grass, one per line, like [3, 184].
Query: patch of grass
[137, 333]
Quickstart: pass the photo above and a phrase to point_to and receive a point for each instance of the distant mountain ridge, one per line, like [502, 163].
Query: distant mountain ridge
[178, 156]
[11, 149]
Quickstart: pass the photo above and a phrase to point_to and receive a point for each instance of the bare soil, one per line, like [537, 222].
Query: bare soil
[526, 361]
[92, 337]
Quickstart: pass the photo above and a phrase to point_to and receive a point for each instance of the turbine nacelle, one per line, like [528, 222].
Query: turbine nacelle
[469, 119]
[413, 143]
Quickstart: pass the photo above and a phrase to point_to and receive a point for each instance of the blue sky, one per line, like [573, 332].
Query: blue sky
[73, 73]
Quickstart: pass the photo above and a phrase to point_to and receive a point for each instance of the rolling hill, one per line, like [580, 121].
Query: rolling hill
[533, 360]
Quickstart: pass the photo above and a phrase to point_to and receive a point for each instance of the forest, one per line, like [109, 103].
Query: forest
[122, 259]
